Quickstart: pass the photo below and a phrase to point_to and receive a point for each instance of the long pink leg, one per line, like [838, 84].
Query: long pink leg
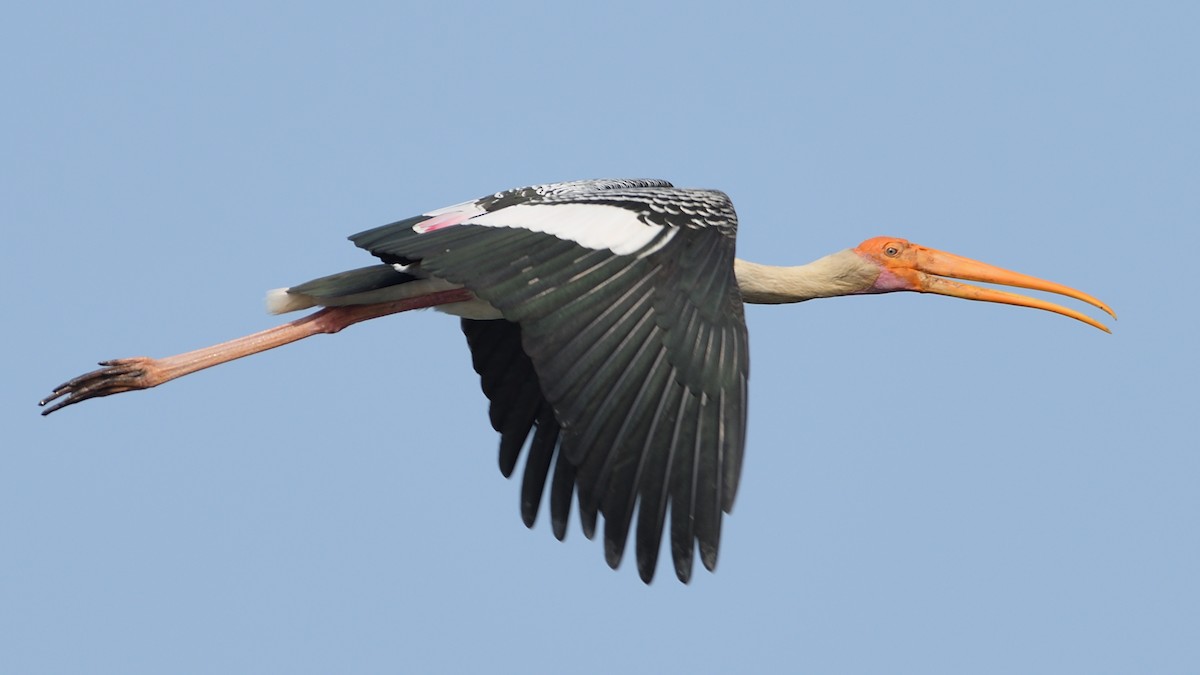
[140, 372]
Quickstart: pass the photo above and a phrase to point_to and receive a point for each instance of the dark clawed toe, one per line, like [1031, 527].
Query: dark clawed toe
[117, 375]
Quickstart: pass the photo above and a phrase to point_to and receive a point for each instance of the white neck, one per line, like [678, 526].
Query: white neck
[842, 273]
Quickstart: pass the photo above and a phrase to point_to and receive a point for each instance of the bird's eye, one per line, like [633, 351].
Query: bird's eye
[892, 250]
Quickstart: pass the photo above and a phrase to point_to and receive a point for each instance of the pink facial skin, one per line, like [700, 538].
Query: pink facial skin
[888, 282]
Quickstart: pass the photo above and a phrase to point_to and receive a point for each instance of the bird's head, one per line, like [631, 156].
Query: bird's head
[904, 266]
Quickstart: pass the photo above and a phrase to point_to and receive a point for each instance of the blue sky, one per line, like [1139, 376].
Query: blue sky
[931, 486]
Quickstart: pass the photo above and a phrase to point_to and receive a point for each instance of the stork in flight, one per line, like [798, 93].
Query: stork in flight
[604, 318]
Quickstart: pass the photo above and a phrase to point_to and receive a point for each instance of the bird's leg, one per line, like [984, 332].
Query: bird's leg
[140, 372]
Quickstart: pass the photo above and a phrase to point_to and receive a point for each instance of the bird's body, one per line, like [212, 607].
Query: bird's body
[620, 345]
[605, 320]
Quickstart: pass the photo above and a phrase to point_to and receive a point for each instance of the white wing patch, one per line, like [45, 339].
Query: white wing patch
[595, 226]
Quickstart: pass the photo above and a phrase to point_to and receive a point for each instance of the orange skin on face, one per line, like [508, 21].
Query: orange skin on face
[905, 266]
[897, 262]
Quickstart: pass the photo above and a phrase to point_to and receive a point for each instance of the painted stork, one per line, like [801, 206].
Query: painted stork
[605, 320]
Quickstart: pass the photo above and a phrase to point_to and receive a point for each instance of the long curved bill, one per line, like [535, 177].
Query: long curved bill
[931, 262]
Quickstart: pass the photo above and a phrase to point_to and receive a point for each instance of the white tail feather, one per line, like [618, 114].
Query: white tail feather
[279, 301]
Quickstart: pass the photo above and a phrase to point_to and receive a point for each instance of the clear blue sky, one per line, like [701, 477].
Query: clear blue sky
[931, 486]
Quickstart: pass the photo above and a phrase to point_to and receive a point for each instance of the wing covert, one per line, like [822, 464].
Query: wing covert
[640, 356]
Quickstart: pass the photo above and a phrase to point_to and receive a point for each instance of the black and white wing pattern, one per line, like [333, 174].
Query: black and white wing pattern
[623, 350]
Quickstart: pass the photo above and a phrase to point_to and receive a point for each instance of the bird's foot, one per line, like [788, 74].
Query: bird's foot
[116, 376]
